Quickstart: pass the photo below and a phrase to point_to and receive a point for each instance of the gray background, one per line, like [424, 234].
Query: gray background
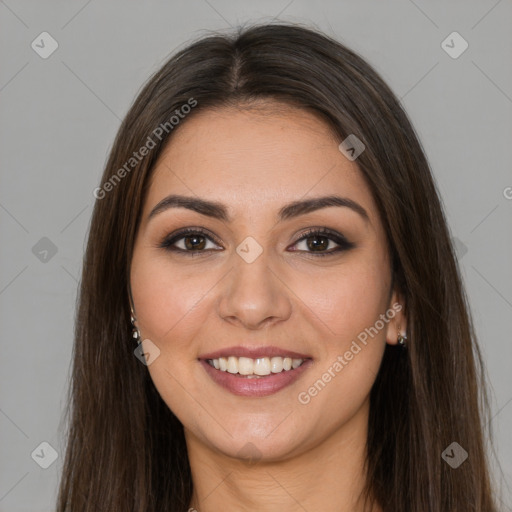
[59, 117]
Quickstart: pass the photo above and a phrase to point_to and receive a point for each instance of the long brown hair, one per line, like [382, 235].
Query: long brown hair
[125, 449]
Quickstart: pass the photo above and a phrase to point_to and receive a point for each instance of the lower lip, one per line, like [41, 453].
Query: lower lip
[264, 386]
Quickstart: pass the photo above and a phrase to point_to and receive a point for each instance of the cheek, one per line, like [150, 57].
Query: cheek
[167, 300]
[168, 304]
[352, 345]
[350, 303]
[347, 300]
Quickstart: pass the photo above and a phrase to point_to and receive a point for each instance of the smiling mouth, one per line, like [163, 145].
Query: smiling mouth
[257, 368]
[255, 377]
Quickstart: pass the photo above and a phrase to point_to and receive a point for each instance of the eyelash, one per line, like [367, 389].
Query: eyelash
[343, 243]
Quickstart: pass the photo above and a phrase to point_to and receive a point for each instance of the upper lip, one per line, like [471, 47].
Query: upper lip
[254, 353]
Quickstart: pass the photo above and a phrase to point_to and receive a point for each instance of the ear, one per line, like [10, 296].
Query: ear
[398, 317]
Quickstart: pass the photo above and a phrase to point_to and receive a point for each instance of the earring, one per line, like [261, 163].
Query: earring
[402, 338]
[135, 329]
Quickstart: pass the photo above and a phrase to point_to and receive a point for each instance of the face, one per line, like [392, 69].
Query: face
[265, 278]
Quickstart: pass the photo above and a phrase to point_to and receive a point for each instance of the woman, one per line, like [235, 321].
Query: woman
[268, 227]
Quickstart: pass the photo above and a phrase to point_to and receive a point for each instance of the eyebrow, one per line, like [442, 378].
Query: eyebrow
[291, 210]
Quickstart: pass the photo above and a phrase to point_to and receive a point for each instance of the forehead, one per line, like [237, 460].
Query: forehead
[256, 158]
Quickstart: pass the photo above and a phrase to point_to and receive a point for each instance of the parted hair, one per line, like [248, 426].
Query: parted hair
[125, 449]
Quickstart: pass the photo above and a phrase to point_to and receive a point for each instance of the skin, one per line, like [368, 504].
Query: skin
[306, 455]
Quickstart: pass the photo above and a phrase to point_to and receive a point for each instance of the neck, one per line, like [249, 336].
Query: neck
[328, 476]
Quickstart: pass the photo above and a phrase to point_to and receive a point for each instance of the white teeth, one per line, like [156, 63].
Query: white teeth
[232, 365]
[255, 367]
[276, 364]
[245, 366]
[262, 366]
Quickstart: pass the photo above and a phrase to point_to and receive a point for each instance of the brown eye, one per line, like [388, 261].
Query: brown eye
[317, 241]
[190, 240]
[194, 242]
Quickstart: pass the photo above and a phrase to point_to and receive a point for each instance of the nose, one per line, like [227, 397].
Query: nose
[253, 295]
